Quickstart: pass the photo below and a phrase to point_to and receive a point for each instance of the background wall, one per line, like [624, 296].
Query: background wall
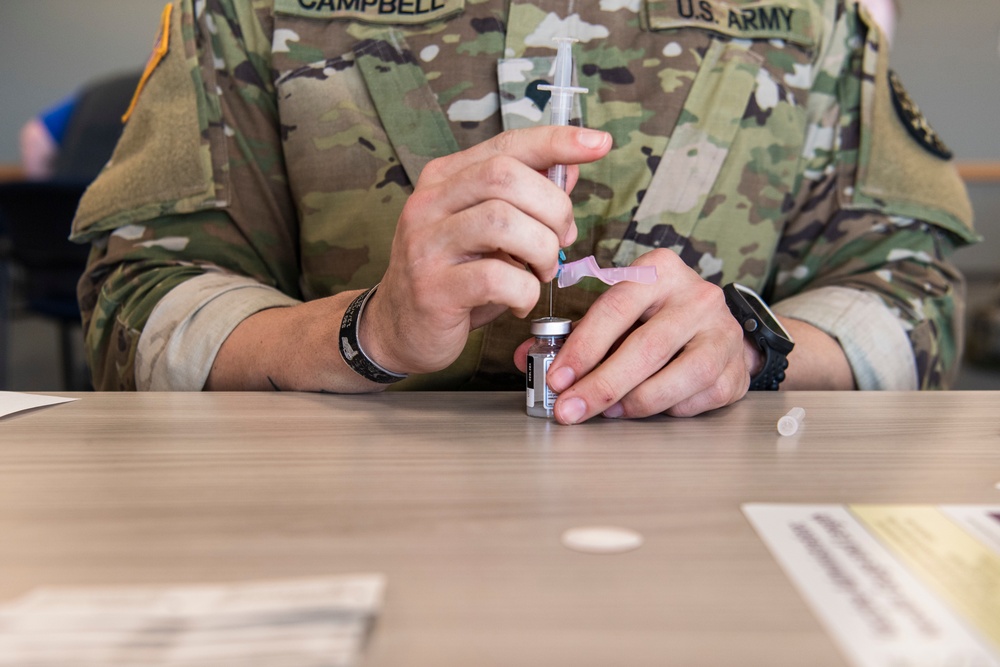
[946, 52]
[48, 48]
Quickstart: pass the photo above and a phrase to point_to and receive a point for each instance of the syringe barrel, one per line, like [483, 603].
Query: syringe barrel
[557, 174]
[562, 106]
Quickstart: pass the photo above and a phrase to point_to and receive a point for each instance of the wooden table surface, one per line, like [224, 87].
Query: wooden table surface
[461, 499]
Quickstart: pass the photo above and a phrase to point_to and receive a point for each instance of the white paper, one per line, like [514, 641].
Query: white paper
[321, 621]
[876, 609]
[12, 402]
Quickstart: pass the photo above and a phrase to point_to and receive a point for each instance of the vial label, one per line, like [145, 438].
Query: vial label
[530, 382]
[537, 389]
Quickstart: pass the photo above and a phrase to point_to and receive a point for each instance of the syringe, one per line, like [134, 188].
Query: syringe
[562, 97]
[561, 108]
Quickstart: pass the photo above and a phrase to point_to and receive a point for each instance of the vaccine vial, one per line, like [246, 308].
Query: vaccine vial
[550, 333]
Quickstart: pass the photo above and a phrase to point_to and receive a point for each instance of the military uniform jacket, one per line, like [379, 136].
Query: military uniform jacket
[273, 144]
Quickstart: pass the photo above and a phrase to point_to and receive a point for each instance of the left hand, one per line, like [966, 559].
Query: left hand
[641, 350]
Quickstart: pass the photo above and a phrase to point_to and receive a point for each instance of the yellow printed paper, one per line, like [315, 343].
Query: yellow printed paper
[958, 567]
[894, 586]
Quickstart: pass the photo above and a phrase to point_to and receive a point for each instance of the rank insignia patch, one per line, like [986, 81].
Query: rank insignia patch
[914, 120]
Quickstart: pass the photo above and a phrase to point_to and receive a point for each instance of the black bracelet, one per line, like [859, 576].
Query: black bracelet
[350, 346]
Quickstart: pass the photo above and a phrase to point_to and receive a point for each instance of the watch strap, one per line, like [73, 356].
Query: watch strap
[773, 372]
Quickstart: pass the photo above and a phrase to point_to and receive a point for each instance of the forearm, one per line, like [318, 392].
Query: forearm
[289, 349]
[817, 361]
[892, 301]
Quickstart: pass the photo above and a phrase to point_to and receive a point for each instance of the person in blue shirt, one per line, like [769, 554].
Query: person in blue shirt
[74, 138]
[41, 137]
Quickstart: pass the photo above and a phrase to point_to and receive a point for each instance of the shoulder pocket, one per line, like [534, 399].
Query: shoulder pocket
[903, 168]
[163, 163]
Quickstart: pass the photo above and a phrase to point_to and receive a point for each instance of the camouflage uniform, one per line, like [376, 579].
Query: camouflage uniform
[273, 147]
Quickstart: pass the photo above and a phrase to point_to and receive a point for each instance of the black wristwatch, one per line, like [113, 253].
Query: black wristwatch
[764, 329]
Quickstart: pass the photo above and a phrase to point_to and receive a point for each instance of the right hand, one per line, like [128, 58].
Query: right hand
[475, 220]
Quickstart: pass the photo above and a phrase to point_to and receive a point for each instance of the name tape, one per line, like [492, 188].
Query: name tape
[372, 11]
[758, 20]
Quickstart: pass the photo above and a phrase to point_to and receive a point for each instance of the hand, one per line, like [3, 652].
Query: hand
[475, 220]
[641, 350]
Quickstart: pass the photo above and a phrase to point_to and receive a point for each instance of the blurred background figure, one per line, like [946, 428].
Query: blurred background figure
[72, 140]
[62, 150]
[40, 139]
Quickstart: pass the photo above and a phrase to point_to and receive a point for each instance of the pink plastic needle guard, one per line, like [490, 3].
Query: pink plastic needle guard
[573, 272]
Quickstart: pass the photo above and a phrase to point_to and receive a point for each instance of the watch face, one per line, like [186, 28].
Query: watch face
[767, 318]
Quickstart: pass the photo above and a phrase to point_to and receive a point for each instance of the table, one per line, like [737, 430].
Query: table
[460, 500]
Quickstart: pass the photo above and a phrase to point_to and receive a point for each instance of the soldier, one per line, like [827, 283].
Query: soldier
[284, 157]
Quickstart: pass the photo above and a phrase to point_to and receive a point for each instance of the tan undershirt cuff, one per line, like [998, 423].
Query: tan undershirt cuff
[873, 339]
[188, 326]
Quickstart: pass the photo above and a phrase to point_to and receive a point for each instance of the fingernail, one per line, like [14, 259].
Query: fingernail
[592, 138]
[561, 378]
[615, 411]
[572, 410]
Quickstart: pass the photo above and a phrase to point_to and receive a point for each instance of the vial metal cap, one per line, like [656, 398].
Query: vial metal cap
[550, 326]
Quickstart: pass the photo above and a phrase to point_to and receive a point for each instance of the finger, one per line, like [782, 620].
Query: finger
[642, 355]
[521, 355]
[495, 227]
[492, 281]
[502, 179]
[430, 315]
[483, 315]
[707, 374]
[679, 300]
[600, 331]
[538, 147]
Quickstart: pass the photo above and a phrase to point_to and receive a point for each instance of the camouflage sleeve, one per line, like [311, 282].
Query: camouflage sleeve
[880, 211]
[190, 323]
[162, 212]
